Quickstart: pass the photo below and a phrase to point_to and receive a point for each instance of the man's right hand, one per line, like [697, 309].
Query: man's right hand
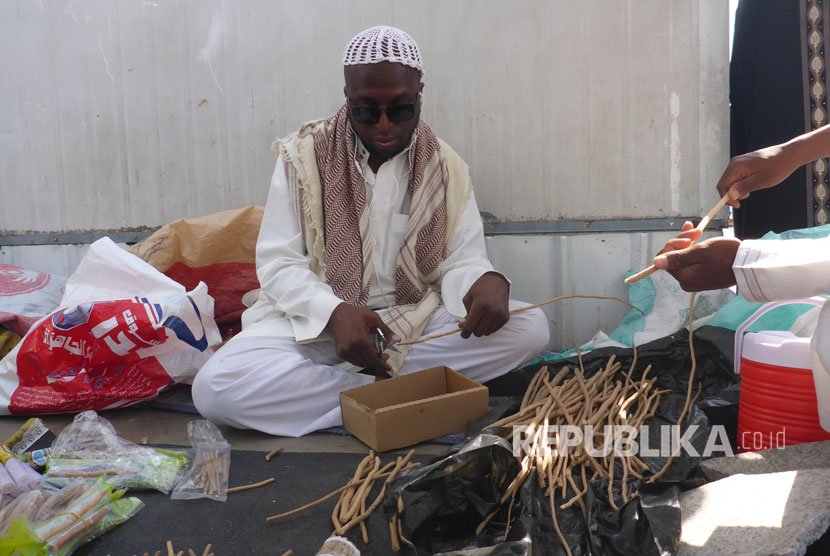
[351, 327]
[750, 172]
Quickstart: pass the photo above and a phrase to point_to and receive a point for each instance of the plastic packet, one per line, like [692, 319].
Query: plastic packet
[89, 448]
[98, 509]
[57, 502]
[23, 478]
[32, 435]
[25, 506]
[37, 506]
[7, 484]
[338, 546]
[208, 473]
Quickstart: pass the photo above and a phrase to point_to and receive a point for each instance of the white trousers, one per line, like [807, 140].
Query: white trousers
[277, 386]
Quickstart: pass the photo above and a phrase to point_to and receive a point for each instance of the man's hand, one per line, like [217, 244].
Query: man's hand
[750, 172]
[351, 327]
[487, 305]
[702, 266]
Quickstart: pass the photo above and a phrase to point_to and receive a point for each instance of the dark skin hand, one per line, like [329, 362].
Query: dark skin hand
[754, 171]
[699, 266]
[383, 84]
[351, 327]
[487, 306]
[768, 167]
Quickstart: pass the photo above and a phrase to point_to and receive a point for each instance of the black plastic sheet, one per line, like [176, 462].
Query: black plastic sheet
[444, 502]
[669, 357]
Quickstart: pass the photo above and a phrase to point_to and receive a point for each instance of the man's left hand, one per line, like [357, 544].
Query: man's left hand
[487, 305]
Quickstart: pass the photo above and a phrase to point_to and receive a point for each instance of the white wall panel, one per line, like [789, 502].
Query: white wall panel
[133, 113]
[51, 259]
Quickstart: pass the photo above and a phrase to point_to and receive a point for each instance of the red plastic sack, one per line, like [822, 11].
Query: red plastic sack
[218, 249]
[123, 333]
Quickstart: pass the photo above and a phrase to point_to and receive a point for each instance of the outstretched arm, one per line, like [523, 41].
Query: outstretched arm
[763, 270]
[768, 167]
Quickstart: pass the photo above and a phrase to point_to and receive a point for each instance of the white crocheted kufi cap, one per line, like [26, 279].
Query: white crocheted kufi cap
[383, 44]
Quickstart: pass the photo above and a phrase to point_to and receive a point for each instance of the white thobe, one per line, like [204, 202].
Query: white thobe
[281, 375]
[774, 270]
[295, 302]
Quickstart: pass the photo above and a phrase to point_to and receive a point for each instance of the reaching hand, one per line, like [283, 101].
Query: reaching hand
[687, 236]
[487, 305]
[351, 327]
[702, 266]
[750, 172]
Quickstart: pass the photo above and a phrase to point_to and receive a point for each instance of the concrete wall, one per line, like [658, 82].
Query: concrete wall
[129, 114]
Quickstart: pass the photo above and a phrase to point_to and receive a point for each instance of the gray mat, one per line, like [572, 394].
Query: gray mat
[179, 399]
[238, 525]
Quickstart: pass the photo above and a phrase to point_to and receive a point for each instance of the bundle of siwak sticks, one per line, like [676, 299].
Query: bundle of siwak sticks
[351, 509]
[212, 477]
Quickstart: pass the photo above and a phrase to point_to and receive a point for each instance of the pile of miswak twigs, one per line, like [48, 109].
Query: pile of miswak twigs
[589, 404]
[172, 552]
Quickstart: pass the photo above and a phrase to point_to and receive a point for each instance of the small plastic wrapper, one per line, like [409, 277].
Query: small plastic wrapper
[15, 470]
[24, 506]
[32, 435]
[89, 448]
[208, 474]
[24, 476]
[95, 510]
[57, 502]
[338, 546]
[7, 484]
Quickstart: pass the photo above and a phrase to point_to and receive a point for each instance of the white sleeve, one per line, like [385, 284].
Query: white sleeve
[466, 260]
[772, 270]
[282, 265]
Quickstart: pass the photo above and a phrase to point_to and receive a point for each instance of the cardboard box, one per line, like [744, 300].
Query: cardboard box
[412, 408]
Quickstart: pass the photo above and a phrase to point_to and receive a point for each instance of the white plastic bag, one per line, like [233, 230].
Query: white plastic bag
[122, 333]
[26, 296]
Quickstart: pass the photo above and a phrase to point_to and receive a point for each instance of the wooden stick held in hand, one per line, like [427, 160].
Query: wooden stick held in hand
[702, 226]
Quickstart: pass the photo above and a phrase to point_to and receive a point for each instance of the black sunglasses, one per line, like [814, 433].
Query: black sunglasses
[370, 115]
